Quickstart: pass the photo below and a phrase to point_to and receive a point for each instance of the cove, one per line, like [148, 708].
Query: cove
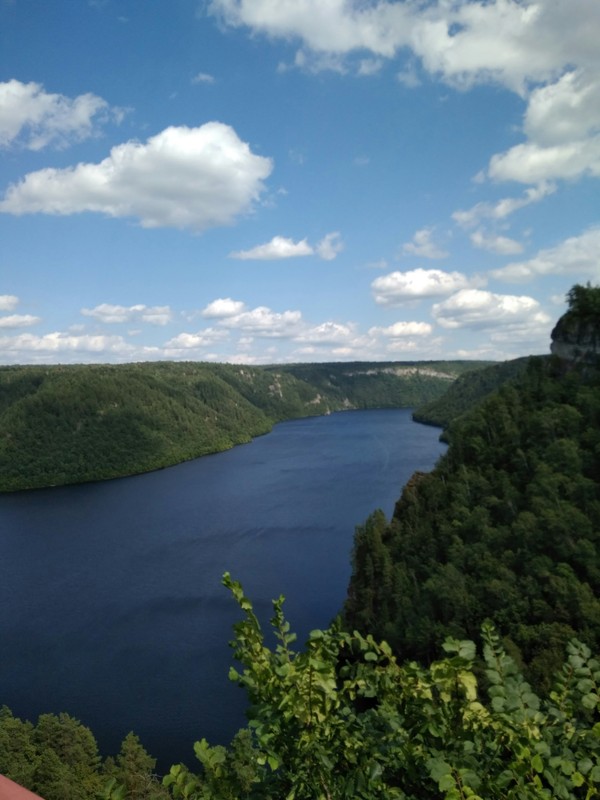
[112, 607]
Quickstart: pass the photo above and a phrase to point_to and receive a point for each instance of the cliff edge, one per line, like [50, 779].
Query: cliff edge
[576, 335]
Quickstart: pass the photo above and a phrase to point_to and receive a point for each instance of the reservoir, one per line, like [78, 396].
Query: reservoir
[111, 603]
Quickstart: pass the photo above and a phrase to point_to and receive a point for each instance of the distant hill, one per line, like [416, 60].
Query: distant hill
[70, 424]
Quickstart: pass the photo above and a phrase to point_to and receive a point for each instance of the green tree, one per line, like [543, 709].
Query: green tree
[343, 719]
[133, 771]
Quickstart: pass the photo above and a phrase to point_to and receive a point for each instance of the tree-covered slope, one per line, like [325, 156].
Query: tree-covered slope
[384, 384]
[507, 527]
[68, 424]
[467, 391]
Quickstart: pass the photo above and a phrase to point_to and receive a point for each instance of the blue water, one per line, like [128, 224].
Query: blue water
[111, 605]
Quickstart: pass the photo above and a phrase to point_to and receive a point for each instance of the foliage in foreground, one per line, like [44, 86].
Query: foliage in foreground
[343, 719]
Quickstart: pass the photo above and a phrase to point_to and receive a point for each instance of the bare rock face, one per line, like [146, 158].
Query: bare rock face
[575, 339]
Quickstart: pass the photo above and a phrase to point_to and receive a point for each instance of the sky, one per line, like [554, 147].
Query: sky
[274, 181]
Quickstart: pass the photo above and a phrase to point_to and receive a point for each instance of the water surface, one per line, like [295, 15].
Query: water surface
[111, 603]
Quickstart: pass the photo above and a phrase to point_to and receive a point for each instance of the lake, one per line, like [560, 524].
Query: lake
[112, 607]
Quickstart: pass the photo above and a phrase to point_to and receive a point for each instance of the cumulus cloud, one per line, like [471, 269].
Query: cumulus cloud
[183, 177]
[8, 302]
[327, 333]
[333, 28]
[264, 322]
[496, 244]
[224, 307]
[280, 247]
[400, 330]
[18, 321]
[513, 43]
[547, 52]
[482, 310]
[107, 313]
[562, 126]
[530, 162]
[34, 118]
[423, 246]
[577, 256]
[194, 341]
[58, 343]
[401, 287]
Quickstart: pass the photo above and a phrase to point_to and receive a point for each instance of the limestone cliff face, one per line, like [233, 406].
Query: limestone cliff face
[575, 339]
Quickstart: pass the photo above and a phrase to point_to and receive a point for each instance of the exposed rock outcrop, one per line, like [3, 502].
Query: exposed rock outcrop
[576, 340]
[576, 335]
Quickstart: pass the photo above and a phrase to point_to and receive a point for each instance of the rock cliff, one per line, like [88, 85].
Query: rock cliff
[576, 335]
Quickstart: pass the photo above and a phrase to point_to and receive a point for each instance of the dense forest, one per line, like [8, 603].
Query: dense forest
[462, 665]
[69, 424]
[505, 528]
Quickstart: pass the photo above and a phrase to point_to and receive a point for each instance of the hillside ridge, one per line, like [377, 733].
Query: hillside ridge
[66, 424]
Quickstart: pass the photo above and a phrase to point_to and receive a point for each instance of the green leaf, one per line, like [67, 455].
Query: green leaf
[590, 701]
[537, 764]
[577, 779]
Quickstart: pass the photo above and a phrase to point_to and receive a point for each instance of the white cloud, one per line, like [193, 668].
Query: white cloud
[193, 341]
[57, 343]
[330, 246]
[496, 244]
[503, 208]
[531, 163]
[107, 313]
[278, 247]
[223, 307]
[328, 333]
[183, 177]
[513, 43]
[263, 322]
[8, 302]
[33, 118]
[544, 50]
[576, 256]
[562, 125]
[565, 111]
[423, 246]
[399, 330]
[481, 310]
[334, 27]
[401, 287]
[203, 77]
[18, 321]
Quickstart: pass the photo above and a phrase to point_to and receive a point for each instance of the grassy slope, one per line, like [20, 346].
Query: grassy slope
[68, 424]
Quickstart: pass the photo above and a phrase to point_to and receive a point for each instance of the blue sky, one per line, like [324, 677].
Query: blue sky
[262, 181]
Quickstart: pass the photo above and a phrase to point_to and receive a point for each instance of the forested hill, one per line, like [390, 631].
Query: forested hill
[469, 390]
[69, 424]
[507, 527]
